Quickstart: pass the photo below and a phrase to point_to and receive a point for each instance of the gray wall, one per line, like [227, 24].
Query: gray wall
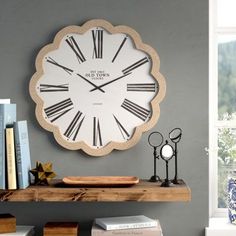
[178, 30]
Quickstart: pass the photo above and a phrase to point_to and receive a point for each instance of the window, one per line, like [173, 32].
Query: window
[222, 101]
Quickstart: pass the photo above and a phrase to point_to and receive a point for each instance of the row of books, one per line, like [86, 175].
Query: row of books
[14, 149]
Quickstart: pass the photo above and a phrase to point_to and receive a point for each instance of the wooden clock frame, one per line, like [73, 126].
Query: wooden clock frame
[154, 71]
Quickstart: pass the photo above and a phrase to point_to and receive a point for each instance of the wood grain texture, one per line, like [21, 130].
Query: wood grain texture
[61, 228]
[102, 181]
[144, 191]
[7, 223]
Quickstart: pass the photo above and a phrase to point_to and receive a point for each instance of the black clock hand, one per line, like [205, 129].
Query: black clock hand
[52, 61]
[109, 82]
[94, 85]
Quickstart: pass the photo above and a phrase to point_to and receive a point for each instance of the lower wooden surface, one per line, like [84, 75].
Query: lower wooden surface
[144, 191]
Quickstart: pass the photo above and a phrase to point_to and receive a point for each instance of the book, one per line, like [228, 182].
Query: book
[125, 222]
[10, 159]
[151, 231]
[21, 230]
[61, 229]
[7, 223]
[23, 163]
[5, 101]
[7, 117]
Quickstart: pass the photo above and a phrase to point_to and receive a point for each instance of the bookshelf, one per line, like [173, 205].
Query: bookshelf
[144, 191]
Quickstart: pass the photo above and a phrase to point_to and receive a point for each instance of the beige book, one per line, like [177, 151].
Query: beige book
[10, 159]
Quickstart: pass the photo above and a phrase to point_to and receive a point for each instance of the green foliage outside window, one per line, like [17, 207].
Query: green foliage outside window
[226, 112]
[226, 162]
[226, 79]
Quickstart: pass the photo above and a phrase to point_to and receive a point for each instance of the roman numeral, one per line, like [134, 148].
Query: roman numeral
[97, 43]
[97, 138]
[59, 109]
[76, 49]
[53, 88]
[148, 87]
[141, 112]
[135, 65]
[52, 61]
[74, 126]
[117, 52]
[123, 131]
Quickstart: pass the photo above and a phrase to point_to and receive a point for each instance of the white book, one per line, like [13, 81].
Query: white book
[150, 231]
[125, 222]
[5, 101]
[21, 230]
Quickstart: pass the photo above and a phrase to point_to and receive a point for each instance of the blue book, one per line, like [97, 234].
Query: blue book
[7, 117]
[23, 163]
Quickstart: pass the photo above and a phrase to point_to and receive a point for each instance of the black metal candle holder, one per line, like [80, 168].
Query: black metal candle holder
[175, 136]
[155, 139]
[166, 153]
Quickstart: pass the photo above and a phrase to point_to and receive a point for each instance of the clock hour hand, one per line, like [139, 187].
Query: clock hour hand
[109, 82]
[94, 85]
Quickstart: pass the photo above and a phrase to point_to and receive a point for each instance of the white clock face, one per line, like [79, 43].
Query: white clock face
[96, 87]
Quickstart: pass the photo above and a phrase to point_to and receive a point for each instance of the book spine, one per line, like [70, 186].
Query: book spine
[131, 226]
[18, 156]
[2, 151]
[10, 157]
[22, 153]
[7, 117]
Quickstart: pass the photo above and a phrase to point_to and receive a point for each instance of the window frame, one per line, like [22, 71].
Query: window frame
[214, 123]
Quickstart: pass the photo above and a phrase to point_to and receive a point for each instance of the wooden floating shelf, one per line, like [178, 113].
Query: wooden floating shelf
[144, 191]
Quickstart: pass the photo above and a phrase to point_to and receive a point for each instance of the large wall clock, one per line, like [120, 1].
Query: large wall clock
[97, 87]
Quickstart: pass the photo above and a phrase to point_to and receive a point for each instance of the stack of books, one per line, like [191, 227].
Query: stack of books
[8, 227]
[126, 225]
[14, 149]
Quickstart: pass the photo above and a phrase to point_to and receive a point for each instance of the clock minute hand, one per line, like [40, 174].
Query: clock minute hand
[109, 82]
[94, 85]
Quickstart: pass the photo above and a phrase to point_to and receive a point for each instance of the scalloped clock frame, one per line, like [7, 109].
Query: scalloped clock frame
[97, 87]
